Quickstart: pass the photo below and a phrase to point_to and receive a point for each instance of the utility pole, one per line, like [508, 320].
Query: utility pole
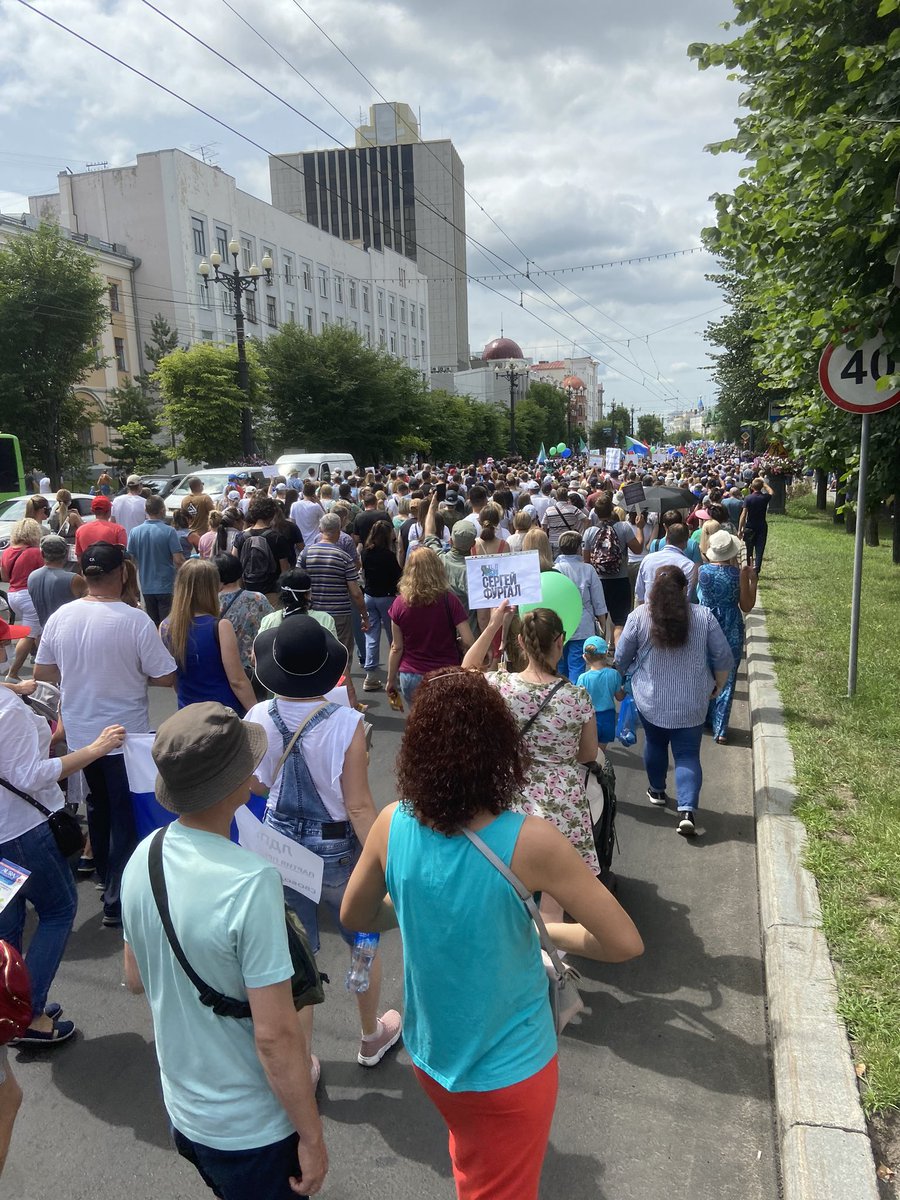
[631, 429]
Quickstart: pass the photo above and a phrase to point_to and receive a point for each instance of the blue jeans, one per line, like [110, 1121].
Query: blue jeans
[573, 663]
[359, 638]
[685, 745]
[409, 684]
[51, 891]
[111, 826]
[377, 608]
[340, 856]
[261, 1171]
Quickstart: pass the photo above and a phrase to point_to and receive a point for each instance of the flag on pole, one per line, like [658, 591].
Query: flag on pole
[633, 446]
[542, 457]
[582, 446]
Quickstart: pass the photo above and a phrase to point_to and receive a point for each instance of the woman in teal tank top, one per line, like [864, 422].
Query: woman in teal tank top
[478, 1025]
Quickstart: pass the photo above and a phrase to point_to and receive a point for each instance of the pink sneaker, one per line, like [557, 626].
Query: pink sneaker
[373, 1049]
[315, 1070]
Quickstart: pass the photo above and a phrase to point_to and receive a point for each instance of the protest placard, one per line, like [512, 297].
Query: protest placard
[613, 459]
[633, 494]
[299, 868]
[12, 878]
[496, 577]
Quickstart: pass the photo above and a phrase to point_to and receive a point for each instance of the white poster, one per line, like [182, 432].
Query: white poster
[496, 577]
[595, 458]
[12, 878]
[299, 868]
[613, 458]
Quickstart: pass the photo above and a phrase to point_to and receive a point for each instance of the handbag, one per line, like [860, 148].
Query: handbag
[15, 994]
[626, 725]
[65, 826]
[565, 999]
[306, 982]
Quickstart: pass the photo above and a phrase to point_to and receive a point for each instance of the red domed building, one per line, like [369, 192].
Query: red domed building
[501, 348]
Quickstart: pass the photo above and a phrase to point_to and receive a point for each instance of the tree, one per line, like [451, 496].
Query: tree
[133, 449]
[619, 420]
[812, 229]
[552, 403]
[202, 401]
[650, 429]
[52, 310]
[163, 340]
[682, 436]
[333, 392]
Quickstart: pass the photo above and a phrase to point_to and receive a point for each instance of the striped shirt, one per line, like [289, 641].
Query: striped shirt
[331, 570]
[562, 517]
[668, 556]
[671, 685]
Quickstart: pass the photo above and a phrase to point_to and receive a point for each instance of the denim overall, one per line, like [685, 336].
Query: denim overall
[301, 816]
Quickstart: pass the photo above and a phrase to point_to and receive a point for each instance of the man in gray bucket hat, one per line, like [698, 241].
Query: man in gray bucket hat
[239, 1093]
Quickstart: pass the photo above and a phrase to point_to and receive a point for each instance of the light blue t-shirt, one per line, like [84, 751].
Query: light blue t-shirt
[152, 544]
[477, 1005]
[227, 909]
[601, 686]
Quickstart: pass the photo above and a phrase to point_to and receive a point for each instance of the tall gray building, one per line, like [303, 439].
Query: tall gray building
[393, 192]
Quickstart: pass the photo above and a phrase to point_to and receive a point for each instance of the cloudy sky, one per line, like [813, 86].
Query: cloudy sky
[581, 125]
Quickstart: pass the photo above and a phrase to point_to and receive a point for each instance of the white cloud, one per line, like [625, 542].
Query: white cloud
[581, 127]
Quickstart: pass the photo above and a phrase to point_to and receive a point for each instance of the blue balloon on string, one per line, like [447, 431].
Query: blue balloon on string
[567, 453]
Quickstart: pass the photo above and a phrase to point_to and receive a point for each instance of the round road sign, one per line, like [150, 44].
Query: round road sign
[849, 375]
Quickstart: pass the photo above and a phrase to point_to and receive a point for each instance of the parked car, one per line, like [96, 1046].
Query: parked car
[13, 510]
[214, 480]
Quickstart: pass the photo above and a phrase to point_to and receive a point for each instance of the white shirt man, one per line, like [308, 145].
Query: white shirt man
[306, 513]
[128, 509]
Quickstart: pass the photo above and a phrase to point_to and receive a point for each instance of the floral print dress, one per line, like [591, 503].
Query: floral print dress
[555, 788]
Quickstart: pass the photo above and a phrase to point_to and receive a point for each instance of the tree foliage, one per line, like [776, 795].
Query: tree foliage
[619, 420]
[813, 229]
[52, 310]
[202, 401]
[650, 429]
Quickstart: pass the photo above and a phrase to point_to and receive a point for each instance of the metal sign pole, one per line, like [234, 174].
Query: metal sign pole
[858, 553]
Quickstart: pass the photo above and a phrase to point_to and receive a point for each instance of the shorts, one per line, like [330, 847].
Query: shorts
[24, 611]
[617, 594]
[340, 856]
[606, 725]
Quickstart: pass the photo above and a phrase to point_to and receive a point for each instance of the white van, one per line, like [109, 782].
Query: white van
[324, 466]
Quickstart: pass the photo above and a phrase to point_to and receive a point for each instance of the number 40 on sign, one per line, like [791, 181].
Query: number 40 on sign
[849, 377]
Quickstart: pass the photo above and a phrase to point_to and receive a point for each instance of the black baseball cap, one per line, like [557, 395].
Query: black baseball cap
[102, 558]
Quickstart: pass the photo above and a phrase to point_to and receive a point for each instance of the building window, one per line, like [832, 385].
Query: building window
[114, 298]
[421, 316]
[290, 312]
[323, 320]
[288, 269]
[392, 307]
[121, 364]
[402, 277]
[307, 277]
[206, 335]
[338, 289]
[412, 315]
[355, 325]
[382, 340]
[309, 320]
[203, 295]
[230, 339]
[393, 343]
[271, 313]
[352, 289]
[246, 252]
[198, 227]
[222, 243]
[422, 344]
[368, 335]
[323, 283]
[404, 345]
[402, 312]
[251, 309]
[367, 303]
[340, 321]
[227, 302]
[98, 353]
[380, 303]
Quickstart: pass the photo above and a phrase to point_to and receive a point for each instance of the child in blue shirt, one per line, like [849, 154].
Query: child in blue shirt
[604, 686]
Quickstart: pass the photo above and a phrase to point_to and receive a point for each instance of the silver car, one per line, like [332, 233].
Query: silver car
[12, 511]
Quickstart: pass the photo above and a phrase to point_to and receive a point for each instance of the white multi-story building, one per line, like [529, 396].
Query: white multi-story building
[393, 190]
[694, 420]
[173, 211]
[578, 370]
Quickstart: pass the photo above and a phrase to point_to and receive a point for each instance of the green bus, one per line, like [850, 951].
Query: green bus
[12, 476]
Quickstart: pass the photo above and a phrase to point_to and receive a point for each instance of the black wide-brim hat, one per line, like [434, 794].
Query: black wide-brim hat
[299, 658]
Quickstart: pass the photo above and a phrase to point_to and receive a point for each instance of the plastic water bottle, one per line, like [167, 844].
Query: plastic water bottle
[365, 946]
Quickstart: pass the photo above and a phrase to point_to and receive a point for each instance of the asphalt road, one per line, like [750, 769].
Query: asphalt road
[665, 1088]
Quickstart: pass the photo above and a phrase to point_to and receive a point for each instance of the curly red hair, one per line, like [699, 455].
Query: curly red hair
[462, 752]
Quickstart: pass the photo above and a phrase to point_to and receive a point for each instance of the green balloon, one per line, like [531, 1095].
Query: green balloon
[558, 449]
[561, 594]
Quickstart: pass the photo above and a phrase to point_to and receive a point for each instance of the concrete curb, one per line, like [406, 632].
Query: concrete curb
[823, 1144]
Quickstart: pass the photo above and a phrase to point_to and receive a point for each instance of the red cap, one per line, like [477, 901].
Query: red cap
[101, 504]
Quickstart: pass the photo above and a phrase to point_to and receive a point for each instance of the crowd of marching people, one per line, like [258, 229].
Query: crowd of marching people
[276, 616]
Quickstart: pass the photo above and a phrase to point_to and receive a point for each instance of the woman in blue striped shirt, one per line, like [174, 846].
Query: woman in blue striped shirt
[678, 658]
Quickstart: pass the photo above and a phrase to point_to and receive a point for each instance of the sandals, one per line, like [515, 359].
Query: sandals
[61, 1032]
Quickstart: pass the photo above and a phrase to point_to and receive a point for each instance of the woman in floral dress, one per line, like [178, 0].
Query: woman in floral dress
[729, 591]
[560, 730]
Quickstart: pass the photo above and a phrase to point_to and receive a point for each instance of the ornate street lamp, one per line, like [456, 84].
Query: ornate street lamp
[236, 283]
[510, 369]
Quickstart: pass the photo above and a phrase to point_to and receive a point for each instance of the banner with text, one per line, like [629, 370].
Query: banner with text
[496, 577]
[299, 868]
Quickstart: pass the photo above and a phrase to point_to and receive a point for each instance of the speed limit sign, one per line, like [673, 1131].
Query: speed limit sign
[849, 376]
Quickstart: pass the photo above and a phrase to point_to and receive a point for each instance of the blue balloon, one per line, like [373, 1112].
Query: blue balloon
[567, 453]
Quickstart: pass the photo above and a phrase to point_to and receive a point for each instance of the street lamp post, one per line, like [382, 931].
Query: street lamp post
[511, 372]
[236, 283]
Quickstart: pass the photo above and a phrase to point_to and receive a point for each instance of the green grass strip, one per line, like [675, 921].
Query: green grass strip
[847, 755]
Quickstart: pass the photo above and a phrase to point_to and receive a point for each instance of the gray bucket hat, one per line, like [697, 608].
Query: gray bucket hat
[202, 753]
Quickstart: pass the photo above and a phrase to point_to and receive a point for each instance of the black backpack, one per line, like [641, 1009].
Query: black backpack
[259, 566]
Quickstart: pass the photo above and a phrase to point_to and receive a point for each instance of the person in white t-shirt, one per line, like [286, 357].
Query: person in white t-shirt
[306, 513]
[104, 655]
[128, 509]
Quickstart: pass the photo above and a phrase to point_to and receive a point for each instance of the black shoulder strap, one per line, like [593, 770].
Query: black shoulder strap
[543, 704]
[24, 795]
[223, 1006]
